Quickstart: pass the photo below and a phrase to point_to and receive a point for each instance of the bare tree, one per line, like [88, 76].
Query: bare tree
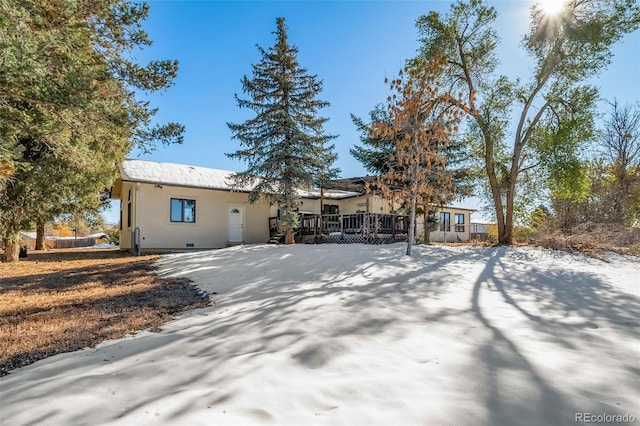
[621, 145]
[422, 118]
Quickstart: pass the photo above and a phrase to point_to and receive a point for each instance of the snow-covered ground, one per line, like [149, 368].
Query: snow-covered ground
[359, 335]
[101, 246]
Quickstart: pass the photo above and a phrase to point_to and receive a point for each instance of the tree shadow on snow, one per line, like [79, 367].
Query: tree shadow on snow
[563, 305]
[270, 306]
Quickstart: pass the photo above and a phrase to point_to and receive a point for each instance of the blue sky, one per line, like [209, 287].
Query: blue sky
[350, 45]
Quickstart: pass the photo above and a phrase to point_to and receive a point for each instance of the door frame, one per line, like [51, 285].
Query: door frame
[240, 207]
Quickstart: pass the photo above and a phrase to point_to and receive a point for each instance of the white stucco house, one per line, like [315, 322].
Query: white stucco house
[167, 207]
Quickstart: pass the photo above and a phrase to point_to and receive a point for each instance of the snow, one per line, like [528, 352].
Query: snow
[32, 235]
[28, 234]
[102, 246]
[361, 334]
[332, 194]
[175, 174]
[198, 177]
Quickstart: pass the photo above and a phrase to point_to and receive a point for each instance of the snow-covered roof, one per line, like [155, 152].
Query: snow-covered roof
[198, 177]
[332, 194]
[175, 174]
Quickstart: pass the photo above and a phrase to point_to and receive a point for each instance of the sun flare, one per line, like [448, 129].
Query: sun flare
[551, 7]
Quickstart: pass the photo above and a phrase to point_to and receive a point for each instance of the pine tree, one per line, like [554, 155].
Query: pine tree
[378, 154]
[375, 152]
[284, 144]
[421, 120]
[69, 105]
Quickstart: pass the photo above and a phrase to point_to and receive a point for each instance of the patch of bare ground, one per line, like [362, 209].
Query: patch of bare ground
[65, 300]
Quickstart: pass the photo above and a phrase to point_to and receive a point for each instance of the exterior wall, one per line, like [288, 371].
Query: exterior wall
[449, 236]
[151, 213]
[348, 205]
[126, 228]
[377, 204]
[354, 205]
[359, 204]
[313, 205]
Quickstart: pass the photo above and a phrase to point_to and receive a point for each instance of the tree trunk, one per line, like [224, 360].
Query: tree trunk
[40, 237]
[412, 224]
[504, 231]
[427, 231]
[288, 236]
[623, 191]
[288, 233]
[11, 248]
[507, 231]
[507, 234]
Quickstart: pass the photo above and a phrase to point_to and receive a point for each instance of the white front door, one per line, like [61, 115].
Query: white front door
[235, 224]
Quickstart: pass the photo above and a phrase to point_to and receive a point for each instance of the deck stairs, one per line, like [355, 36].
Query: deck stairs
[277, 238]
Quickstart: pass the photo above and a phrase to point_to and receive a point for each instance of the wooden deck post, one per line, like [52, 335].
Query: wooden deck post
[393, 227]
[315, 228]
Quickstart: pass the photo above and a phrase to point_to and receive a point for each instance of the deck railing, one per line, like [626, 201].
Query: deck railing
[356, 227]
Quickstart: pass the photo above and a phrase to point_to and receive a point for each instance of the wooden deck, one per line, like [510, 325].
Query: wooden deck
[367, 228]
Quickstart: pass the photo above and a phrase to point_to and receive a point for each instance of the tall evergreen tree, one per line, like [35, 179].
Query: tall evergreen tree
[69, 106]
[284, 144]
[375, 151]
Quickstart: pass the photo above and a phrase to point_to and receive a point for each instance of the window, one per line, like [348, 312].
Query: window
[183, 210]
[445, 221]
[330, 209]
[459, 222]
[129, 210]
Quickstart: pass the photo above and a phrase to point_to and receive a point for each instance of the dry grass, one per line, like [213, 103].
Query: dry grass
[66, 300]
[592, 239]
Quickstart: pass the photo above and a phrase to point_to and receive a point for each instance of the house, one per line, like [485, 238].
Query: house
[453, 223]
[166, 207]
[481, 230]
